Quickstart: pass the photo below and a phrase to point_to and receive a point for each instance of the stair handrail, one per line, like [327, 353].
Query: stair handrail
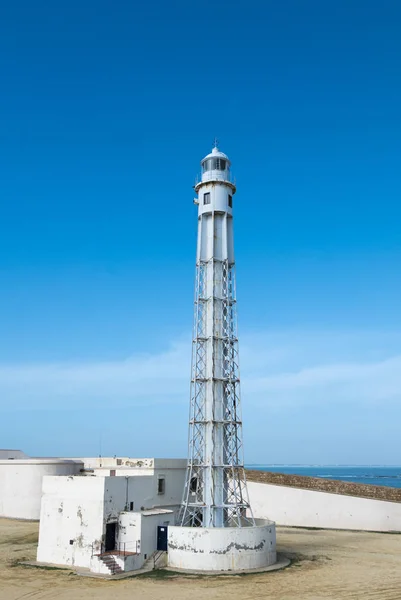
[124, 547]
[156, 557]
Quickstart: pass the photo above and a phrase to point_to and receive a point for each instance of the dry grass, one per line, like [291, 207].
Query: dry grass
[326, 564]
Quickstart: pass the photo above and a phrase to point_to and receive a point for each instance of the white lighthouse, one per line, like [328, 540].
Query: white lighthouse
[216, 518]
[215, 493]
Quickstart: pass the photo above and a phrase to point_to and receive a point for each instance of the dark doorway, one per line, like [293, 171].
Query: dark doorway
[110, 542]
[162, 538]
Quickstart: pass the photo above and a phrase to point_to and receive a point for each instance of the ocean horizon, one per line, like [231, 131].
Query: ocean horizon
[383, 475]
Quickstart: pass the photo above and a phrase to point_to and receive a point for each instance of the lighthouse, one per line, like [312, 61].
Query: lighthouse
[215, 493]
[216, 530]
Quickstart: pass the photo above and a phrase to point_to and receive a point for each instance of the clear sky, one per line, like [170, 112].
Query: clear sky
[106, 109]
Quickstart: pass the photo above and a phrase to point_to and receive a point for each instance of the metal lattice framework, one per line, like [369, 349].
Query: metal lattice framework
[215, 493]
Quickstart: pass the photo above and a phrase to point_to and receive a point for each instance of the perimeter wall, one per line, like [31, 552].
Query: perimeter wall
[297, 507]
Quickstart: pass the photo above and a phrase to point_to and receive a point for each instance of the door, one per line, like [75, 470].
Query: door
[110, 542]
[162, 538]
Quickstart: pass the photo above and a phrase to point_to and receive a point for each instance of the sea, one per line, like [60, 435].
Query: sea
[373, 475]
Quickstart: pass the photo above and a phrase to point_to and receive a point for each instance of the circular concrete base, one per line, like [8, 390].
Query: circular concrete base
[281, 563]
[217, 549]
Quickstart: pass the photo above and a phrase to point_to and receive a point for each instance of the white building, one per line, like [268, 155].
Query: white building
[21, 483]
[21, 477]
[113, 516]
[6, 454]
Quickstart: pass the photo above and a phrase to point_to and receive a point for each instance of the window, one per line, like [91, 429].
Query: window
[230, 201]
[206, 198]
[113, 473]
[131, 506]
[71, 542]
[161, 485]
[193, 487]
[214, 164]
[207, 165]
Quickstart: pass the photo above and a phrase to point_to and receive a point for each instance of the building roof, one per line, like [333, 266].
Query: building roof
[156, 511]
[10, 453]
[215, 153]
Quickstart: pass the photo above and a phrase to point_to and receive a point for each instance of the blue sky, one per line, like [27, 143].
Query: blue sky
[105, 112]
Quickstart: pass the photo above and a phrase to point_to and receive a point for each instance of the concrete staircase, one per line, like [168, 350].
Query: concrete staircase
[109, 561]
[157, 560]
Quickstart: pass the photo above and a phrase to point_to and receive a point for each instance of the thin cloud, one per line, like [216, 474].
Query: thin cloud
[278, 368]
[339, 383]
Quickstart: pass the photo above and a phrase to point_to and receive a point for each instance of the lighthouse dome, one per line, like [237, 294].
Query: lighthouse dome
[215, 161]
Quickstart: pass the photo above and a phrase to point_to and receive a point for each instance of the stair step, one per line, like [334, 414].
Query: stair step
[109, 562]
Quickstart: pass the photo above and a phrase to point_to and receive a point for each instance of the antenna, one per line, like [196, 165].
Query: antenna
[216, 143]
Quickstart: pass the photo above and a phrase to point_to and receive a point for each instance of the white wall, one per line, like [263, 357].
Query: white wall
[222, 549]
[170, 463]
[174, 486]
[129, 531]
[21, 484]
[138, 532]
[113, 470]
[172, 469]
[78, 509]
[306, 508]
[146, 493]
[117, 461]
[72, 509]
[150, 523]
[121, 491]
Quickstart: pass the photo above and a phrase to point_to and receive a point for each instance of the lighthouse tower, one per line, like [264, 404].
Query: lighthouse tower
[215, 494]
[216, 530]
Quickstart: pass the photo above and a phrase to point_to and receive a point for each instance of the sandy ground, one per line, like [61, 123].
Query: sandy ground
[327, 564]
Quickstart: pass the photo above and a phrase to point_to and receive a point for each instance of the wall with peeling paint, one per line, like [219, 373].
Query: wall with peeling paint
[171, 469]
[21, 479]
[222, 549]
[129, 531]
[305, 508]
[150, 523]
[138, 532]
[71, 520]
[21, 484]
[117, 461]
[76, 510]
[136, 464]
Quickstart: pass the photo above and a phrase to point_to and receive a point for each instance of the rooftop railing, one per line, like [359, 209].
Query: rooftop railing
[215, 175]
